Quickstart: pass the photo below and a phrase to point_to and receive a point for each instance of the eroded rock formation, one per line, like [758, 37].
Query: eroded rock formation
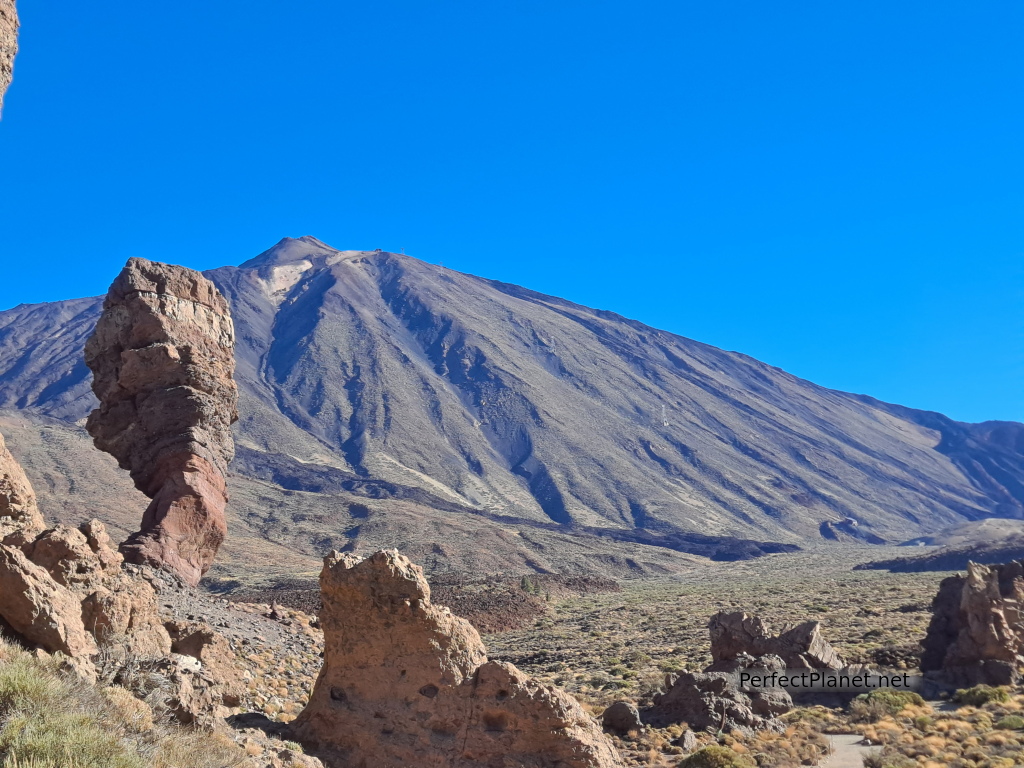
[976, 634]
[65, 591]
[19, 513]
[714, 700]
[8, 45]
[162, 364]
[799, 647]
[405, 682]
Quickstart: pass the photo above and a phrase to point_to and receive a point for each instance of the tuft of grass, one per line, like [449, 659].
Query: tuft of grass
[1010, 723]
[872, 707]
[716, 757]
[50, 719]
[980, 695]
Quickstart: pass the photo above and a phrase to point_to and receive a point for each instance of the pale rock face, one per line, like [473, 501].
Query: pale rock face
[405, 682]
[163, 367]
[8, 45]
[19, 512]
[976, 634]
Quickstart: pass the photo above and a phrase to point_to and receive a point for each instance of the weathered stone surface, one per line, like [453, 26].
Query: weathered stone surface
[8, 45]
[976, 634]
[65, 590]
[200, 641]
[41, 610]
[621, 717]
[162, 363]
[799, 647]
[19, 512]
[72, 558]
[405, 682]
[714, 700]
[123, 616]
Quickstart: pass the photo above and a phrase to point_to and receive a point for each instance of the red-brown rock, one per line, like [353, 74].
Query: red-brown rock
[163, 365]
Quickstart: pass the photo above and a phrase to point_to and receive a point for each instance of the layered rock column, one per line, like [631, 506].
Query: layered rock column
[405, 682]
[8, 45]
[163, 366]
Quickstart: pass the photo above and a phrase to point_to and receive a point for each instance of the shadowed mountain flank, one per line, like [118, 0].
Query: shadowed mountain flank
[379, 376]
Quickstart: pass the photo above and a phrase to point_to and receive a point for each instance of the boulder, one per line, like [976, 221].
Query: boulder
[72, 559]
[799, 647]
[200, 641]
[123, 616]
[621, 718]
[42, 611]
[976, 634]
[162, 362]
[406, 682]
[19, 513]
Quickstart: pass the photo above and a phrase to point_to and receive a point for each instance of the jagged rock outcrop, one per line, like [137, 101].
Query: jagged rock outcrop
[405, 682]
[163, 365]
[976, 634]
[799, 647]
[714, 700]
[8, 45]
[39, 609]
[66, 591]
[19, 513]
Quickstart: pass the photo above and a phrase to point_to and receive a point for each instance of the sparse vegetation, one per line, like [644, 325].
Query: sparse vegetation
[980, 734]
[716, 757]
[52, 719]
[872, 707]
[980, 695]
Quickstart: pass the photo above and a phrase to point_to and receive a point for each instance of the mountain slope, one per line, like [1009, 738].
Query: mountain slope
[377, 374]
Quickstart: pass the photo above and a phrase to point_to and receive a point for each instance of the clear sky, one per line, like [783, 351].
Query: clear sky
[835, 188]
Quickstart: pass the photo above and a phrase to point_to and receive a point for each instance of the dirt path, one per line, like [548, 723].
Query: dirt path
[847, 752]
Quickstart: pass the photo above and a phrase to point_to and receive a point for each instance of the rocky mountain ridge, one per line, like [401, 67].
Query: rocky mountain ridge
[390, 402]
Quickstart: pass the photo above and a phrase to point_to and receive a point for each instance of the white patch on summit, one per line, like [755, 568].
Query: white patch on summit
[281, 279]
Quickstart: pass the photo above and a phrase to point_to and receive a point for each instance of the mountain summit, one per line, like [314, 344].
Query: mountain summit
[390, 401]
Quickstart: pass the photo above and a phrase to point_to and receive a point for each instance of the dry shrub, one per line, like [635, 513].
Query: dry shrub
[53, 719]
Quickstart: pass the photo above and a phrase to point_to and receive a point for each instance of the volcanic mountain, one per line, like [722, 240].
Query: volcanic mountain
[482, 426]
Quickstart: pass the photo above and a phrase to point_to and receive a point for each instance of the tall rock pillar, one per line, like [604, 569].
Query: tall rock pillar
[163, 366]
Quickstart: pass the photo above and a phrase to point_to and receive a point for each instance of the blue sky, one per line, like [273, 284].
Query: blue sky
[834, 188]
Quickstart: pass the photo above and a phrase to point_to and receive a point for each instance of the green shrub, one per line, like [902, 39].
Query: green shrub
[716, 757]
[980, 695]
[873, 706]
[878, 760]
[922, 722]
[1011, 723]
